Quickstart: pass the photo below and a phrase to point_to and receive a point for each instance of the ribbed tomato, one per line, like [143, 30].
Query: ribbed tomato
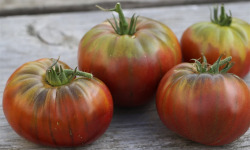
[131, 60]
[204, 106]
[223, 35]
[53, 107]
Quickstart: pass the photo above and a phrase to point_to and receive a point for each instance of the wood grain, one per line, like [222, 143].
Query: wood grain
[17, 7]
[27, 38]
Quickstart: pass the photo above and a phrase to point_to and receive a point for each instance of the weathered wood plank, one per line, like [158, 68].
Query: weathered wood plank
[27, 38]
[17, 7]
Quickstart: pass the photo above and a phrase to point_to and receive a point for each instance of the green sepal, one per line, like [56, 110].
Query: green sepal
[227, 67]
[224, 19]
[123, 28]
[204, 67]
[57, 76]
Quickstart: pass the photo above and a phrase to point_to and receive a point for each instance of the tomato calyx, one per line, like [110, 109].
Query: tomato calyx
[223, 19]
[204, 67]
[57, 76]
[123, 27]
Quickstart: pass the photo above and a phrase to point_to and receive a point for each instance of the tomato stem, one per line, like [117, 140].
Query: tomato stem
[223, 19]
[123, 27]
[57, 76]
[204, 67]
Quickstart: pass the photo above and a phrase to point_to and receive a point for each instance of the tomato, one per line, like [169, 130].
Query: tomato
[132, 60]
[56, 113]
[224, 35]
[206, 107]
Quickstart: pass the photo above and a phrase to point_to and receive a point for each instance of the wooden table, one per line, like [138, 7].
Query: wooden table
[26, 38]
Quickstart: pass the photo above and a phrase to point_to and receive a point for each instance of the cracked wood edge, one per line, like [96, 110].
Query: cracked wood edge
[17, 7]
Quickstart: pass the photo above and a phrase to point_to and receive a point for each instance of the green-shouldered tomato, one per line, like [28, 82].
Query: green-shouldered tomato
[130, 58]
[56, 106]
[223, 35]
[203, 104]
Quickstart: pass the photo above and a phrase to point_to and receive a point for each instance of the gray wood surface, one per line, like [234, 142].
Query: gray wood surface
[17, 7]
[27, 38]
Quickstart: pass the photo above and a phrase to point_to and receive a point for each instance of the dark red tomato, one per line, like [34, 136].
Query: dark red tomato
[212, 109]
[223, 35]
[131, 61]
[57, 110]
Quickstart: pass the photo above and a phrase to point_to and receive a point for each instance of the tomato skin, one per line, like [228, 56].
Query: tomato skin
[209, 109]
[131, 66]
[212, 40]
[69, 115]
